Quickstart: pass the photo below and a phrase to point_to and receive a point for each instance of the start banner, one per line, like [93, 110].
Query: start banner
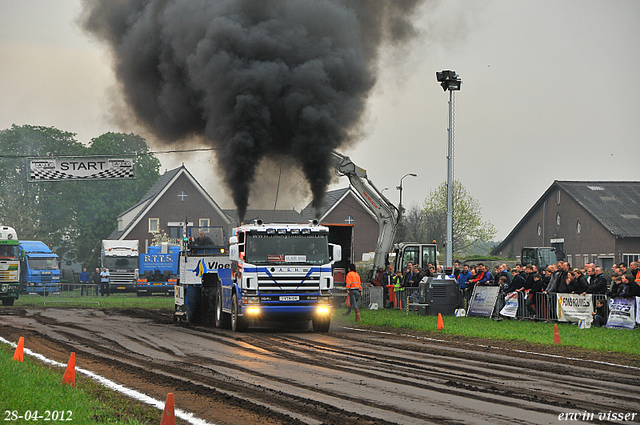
[81, 168]
[574, 307]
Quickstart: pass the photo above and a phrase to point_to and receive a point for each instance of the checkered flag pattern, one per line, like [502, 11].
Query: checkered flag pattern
[116, 173]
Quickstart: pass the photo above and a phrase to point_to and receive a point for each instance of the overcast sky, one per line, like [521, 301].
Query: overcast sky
[550, 92]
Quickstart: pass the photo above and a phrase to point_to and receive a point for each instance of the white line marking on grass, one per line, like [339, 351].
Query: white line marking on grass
[116, 387]
[496, 348]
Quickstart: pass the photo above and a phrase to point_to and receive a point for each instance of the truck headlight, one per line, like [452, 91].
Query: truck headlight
[253, 311]
[323, 310]
[324, 300]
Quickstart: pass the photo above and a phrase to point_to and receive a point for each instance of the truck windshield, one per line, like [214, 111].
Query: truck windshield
[50, 263]
[9, 252]
[546, 257]
[123, 263]
[289, 249]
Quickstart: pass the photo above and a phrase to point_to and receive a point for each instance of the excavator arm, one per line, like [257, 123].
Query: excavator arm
[386, 213]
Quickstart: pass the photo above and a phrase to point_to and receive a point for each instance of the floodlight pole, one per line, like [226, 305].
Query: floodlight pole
[450, 81]
[449, 249]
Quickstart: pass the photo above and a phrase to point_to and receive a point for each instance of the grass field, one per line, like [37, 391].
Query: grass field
[75, 300]
[600, 339]
[30, 386]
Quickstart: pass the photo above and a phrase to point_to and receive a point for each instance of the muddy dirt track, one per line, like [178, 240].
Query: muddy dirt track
[347, 376]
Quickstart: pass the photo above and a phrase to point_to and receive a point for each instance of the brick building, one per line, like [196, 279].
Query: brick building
[176, 196]
[585, 221]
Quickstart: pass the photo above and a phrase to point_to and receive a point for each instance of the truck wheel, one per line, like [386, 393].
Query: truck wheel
[238, 323]
[8, 301]
[321, 324]
[222, 319]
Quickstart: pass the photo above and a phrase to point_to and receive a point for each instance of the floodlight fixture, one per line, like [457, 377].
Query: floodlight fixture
[449, 80]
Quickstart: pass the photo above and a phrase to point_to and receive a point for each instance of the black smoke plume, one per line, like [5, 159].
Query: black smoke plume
[257, 78]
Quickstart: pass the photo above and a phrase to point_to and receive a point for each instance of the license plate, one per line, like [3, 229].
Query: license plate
[122, 287]
[290, 298]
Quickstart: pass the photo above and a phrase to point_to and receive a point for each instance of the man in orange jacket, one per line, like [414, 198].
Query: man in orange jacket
[354, 286]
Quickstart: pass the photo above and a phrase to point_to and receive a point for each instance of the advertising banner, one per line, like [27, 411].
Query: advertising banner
[83, 168]
[193, 268]
[574, 307]
[622, 313]
[483, 300]
[510, 308]
[638, 310]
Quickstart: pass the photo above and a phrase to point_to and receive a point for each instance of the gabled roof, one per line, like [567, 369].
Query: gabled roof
[615, 205]
[133, 215]
[268, 216]
[331, 200]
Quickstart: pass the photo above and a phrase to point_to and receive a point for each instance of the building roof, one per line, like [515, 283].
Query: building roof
[615, 205]
[133, 215]
[268, 216]
[331, 200]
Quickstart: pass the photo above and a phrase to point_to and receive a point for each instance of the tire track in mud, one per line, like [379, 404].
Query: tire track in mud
[578, 392]
[343, 377]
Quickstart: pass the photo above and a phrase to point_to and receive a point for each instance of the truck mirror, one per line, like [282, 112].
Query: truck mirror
[336, 253]
[234, 252]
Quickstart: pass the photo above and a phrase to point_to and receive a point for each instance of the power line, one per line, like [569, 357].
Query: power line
[13, 156]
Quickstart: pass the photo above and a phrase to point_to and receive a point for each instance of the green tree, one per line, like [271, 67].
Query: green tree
[468, 225]
[422, 227]
[71, 215]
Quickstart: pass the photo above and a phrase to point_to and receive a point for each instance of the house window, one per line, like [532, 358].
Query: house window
[349, 220]
[558, 198]
[558, 219]
[539, 229]
[578, 227]
[182, 195]
[630, 258]
[203, 222]
[154, 224]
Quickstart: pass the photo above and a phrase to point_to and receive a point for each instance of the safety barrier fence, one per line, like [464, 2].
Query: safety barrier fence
[543, 307]
[74, 293]
[540, 306]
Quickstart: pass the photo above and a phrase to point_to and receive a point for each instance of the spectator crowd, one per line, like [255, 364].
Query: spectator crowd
[620, 281]
[559, 278]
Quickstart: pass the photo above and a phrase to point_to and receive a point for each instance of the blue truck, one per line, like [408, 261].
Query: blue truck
[269, 272]
[158, 270]
[39, 271]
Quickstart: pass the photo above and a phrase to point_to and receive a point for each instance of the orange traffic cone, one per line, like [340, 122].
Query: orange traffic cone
[556, 335]
[69, 376]
[168, 415]
[358, 318]
[19, 353]
[440, 322]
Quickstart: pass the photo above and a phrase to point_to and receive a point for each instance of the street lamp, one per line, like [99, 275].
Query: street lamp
[400, 187]
[450, 81]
